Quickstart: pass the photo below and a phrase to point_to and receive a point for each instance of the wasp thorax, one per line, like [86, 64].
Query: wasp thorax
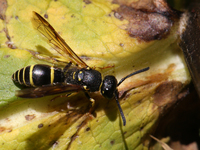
[90, 78]
[109, 86]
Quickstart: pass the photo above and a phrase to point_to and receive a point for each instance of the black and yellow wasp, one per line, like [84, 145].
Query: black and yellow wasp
[48, 80]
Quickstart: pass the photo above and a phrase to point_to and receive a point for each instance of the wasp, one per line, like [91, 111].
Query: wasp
[49, 80]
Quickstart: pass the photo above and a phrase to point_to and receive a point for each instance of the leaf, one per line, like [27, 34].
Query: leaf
[96, 35]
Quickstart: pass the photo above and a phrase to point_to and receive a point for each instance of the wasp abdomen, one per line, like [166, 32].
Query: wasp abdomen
[38, 75]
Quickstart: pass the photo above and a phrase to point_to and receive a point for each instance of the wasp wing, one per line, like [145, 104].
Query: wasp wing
[47, 90]
[55, 40]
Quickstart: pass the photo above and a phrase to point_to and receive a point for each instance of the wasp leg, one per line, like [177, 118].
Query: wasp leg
[60, 96]
[49, 59]
[69, 107]
[92, 102]
[43, 57]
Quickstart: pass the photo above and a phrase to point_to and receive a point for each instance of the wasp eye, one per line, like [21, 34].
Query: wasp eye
[109, 86]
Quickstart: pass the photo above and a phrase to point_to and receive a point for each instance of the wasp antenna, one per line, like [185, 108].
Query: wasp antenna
[120, 109]
[139, 71]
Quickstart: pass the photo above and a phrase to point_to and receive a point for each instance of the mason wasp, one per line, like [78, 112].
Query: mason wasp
[49, 80]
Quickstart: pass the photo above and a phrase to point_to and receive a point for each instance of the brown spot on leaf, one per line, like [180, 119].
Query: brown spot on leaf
[124, 94]
[11, 45]
[162, 76]
[148, 20]
[79, 127]
[167, 93]
[7, 35]
[3, 7]
[181, 123]
[112, 142]
[141, 128]
[73, 16]
[46, 16]
[109, 15]
[29, 117]
[121, 44]
[40, 125]
[87, 1]
[2, 129]
[159, 6]
[143, 25]
[118, 16]
[88, 129]
[157, 77]
[6, 56]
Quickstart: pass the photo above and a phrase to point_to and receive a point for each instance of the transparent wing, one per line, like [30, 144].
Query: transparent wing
[55, 40]
[47, 90]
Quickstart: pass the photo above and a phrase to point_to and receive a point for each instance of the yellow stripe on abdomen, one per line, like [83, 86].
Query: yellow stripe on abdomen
[19, 76]
[24, 76]
[31, 75]
[52, 75]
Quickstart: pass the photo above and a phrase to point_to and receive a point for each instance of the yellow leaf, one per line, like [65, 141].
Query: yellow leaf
[96, 35]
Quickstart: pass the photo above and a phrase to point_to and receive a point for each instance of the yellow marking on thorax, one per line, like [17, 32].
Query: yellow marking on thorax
[31, 75]
[24, 76]
[52, 75]
[74, 75]
[101, 83]
[85, 87]
[79, 79]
